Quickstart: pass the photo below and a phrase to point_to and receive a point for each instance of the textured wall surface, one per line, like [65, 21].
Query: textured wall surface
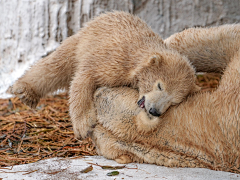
[170, 16]
[31, 29]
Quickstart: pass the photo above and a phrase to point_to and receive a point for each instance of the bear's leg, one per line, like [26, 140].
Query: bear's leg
[48, 75]
[228, 94]
[106, 146]
[113, 147]
[149, 154]
[81, 106]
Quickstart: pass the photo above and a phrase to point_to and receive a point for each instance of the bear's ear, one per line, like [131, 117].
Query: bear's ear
[196, 88]
[155, 60]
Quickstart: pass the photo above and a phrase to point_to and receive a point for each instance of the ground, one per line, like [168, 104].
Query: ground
[71, 168]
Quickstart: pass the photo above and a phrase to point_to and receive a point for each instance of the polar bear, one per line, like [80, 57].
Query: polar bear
[114, 49]
[202, 131]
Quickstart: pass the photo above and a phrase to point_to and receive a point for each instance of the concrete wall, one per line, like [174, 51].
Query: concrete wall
[31, 29]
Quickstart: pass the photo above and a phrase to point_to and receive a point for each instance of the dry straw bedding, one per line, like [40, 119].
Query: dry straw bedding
[29, 135]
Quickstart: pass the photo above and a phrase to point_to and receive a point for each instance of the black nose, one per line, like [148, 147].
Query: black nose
[154, 112]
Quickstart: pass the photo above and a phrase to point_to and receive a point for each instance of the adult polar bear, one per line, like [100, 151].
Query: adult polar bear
[203, 131]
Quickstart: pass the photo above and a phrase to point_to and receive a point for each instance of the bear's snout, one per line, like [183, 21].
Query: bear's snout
[154, 112]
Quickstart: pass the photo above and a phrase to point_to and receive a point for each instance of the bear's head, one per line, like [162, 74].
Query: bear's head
[165, 79]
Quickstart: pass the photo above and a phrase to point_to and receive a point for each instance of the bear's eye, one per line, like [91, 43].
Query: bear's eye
[159, 87]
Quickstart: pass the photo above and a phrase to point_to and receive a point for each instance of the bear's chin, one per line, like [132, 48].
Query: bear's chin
[146, 122]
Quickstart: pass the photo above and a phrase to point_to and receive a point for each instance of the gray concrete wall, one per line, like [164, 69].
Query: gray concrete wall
[170, 16]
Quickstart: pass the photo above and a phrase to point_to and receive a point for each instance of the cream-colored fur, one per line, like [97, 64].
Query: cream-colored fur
[209, 49]
[114, 49]
[202, 131]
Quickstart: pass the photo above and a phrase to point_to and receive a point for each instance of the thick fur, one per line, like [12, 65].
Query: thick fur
[114, 49]
[208, 49]
[202, 131]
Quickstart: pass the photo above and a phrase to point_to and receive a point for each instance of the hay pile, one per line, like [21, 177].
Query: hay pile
[28, 135]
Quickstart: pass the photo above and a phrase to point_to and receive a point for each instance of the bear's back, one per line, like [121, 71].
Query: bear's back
[115, 42]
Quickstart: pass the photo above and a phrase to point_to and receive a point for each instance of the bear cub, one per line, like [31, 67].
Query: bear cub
[114, 49]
